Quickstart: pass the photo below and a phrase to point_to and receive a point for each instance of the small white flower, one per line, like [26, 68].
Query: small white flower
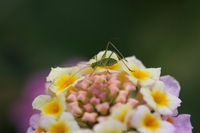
[64, 124]
[159, 100]
[50, 106]
[63, 78]
[145, 122]
[142, 76]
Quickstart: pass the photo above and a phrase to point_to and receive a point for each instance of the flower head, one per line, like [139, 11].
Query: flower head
[96, 95]
[109, 95]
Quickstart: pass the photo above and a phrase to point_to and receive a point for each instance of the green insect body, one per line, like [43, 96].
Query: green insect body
[104, 62]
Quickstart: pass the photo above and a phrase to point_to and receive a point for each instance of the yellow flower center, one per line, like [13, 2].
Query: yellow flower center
[140, 75]
[160, 98]
[65, 81]
[52, 108]
[59, 128]
[151, 123]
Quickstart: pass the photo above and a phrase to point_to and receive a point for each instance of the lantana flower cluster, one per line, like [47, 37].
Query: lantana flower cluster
[109, 95]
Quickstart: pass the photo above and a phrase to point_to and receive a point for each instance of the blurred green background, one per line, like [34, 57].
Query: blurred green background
[36, 35]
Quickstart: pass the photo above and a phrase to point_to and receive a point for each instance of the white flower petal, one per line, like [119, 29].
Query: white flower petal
[136, 61]
[46, 122]
[34, 120]
[109, 126]
[40, 100]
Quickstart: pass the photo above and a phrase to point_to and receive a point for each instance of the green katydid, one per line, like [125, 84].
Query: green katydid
[108, 61]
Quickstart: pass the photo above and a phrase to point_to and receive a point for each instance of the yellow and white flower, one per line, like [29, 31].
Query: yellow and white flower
[161, 101]
[50, 106]
[63, 78]
[64, 124]
[142, 77]
[146, 122]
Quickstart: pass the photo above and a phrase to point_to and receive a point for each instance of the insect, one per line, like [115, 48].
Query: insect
[108, 61]
[104, 62]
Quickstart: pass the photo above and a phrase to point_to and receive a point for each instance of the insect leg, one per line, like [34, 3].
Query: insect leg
[122, 59]
[109, 43]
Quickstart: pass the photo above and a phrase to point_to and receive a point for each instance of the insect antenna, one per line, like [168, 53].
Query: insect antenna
[104, 55]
